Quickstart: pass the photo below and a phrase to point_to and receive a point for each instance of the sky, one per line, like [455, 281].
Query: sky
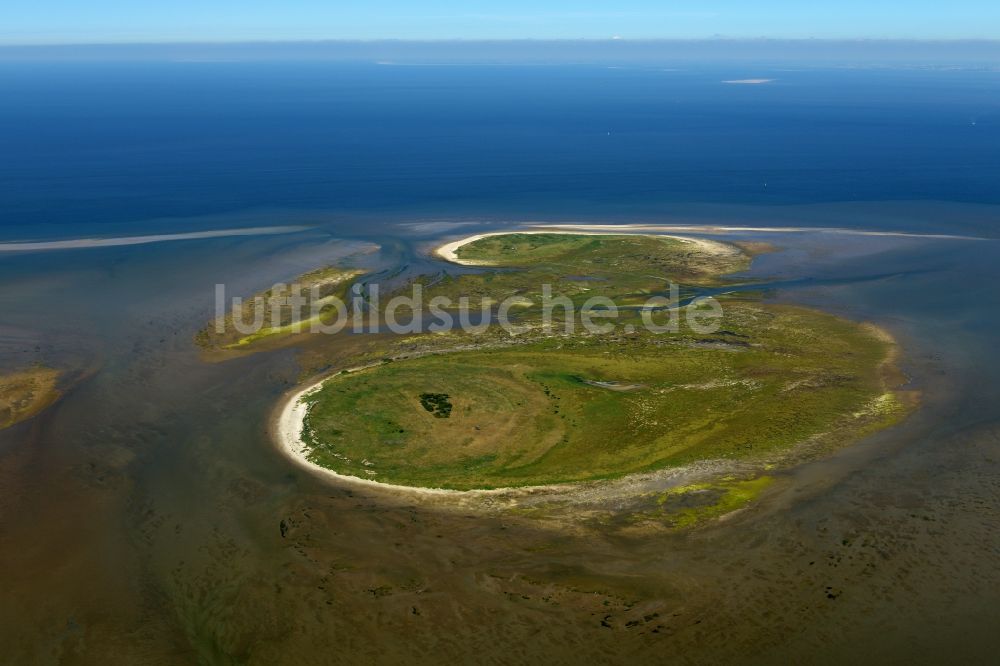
[115, 21]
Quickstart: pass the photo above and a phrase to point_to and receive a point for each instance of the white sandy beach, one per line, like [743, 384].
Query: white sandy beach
[292, 411]
[664, 229]
[287, 432]
[448, 251]
[290, 416]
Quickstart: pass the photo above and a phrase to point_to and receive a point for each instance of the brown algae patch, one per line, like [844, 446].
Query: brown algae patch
[692, 505]
[25, 393]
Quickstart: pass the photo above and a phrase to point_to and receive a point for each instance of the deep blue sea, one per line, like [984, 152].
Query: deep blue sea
[96, 144]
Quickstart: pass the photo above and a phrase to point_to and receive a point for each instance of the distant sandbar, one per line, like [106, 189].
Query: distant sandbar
[83, 243]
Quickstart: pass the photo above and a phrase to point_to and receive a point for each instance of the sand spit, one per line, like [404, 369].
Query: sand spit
[85, 243]
[448, 251]
[714, 229]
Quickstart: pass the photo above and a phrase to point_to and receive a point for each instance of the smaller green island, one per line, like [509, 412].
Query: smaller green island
[25, 393]
[626, 268]
[251, 325]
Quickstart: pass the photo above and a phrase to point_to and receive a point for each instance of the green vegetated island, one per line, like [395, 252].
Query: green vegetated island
[27, 392]
[490, 410]
[319, 289]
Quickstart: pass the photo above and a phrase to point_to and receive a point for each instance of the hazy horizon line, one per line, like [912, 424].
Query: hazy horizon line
[552, 40]
[560, 50]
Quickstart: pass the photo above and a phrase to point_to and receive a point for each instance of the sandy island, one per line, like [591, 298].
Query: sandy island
[448, 251]
[291, 413]
[289, 418]
[287, 431]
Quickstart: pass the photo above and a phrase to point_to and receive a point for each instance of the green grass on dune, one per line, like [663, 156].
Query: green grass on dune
[628, 268]
[605, 255]
[558, 407]
[534, 414]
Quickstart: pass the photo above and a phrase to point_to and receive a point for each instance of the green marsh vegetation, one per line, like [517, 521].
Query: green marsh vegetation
[268, 319]
[626, 268]
[551, 405]
[549, 411]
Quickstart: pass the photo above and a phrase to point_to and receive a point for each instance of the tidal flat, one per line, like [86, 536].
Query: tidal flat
[154, 489]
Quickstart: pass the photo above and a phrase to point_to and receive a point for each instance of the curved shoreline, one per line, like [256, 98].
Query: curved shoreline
[290, 414]
[447, 251]
[286, 432]
[286, 429]
[726, 229]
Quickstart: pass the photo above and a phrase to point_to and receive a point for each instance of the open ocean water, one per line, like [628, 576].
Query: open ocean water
[139, 518]
[118, 143]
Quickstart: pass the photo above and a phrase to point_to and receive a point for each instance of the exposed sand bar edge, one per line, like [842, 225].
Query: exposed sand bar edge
[448, 251]
[663, 229]
[85, 243]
